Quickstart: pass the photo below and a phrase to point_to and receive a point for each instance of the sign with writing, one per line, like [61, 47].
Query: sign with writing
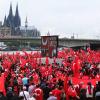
[49, 46]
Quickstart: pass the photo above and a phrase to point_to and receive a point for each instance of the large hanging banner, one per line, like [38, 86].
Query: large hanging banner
[49, 45]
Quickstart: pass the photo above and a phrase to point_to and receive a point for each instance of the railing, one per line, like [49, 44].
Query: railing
[20, 37]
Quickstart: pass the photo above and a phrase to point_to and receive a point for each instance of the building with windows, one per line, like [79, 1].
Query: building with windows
[29, 31]
[5, 31]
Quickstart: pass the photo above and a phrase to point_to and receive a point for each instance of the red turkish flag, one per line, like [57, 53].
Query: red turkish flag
[2, 84]
[47, 60]
[76, 66]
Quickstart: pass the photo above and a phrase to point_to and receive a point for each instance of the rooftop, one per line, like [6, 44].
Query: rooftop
[28, 28]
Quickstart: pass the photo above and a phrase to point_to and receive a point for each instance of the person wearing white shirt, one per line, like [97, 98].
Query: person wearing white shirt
[25, 94]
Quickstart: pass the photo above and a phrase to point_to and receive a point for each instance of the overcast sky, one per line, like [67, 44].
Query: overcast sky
[60, 17]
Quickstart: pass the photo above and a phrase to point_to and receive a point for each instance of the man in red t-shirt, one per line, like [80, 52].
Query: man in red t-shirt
[57, 92]
[72, 94]
[39, 93]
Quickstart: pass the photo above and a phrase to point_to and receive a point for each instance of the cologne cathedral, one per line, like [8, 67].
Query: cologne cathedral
[14, 23]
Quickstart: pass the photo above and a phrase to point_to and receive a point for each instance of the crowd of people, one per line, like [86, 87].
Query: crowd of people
[26, 77]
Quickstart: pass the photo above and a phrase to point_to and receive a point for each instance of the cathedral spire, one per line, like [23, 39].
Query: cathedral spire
[10, 11]
[17, 21]
[10, 17]
[5, 23]
[26, 22]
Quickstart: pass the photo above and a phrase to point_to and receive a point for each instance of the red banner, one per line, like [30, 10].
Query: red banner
[49, 46]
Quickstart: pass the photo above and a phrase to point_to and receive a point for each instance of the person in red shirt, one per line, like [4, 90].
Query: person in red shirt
[57, 92]
[72, 94]
[39, 93]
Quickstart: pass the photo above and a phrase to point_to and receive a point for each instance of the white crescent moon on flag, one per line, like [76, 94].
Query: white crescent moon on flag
[44, 42]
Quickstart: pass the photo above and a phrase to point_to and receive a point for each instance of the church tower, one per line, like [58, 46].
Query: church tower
[10, 18]
[26, 23]
[5, 21]
[26, 26]
[17, 20]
